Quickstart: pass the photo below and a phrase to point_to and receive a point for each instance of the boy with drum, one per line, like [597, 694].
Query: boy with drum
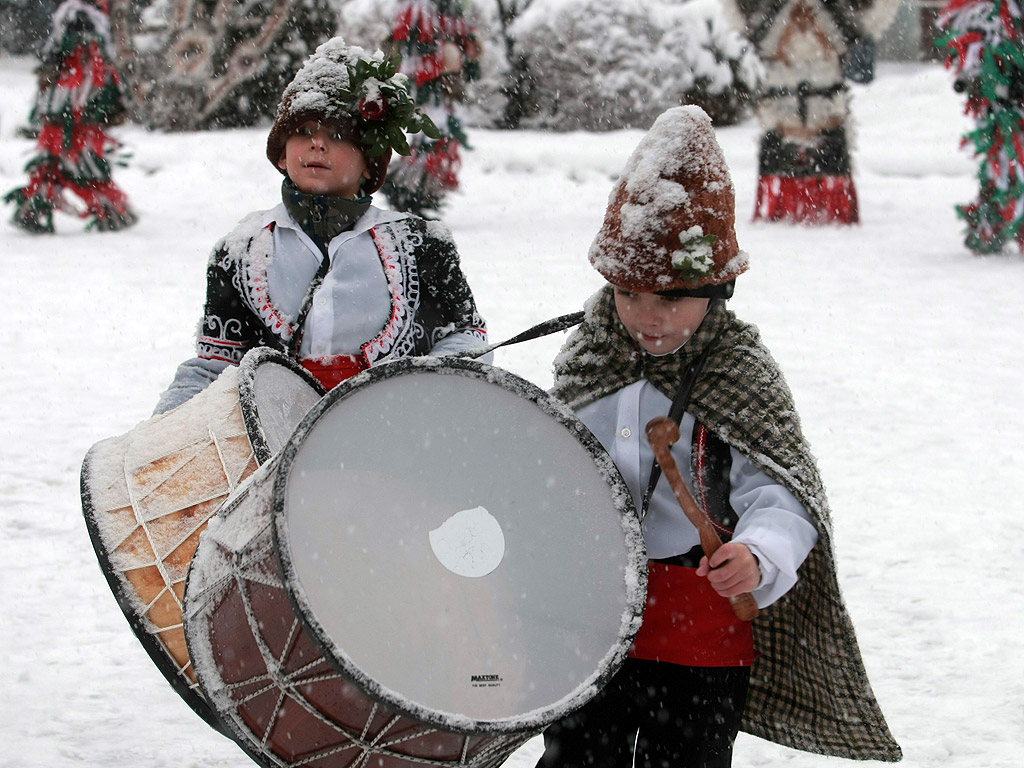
[657, 340]
[325, 276]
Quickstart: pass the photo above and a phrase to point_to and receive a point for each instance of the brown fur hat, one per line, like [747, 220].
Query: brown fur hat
[670, 222]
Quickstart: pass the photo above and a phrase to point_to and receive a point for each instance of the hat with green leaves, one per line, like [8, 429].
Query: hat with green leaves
[670, 221]
[362, 93]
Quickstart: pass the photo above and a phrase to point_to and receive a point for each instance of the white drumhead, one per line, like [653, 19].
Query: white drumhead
[456, 546]
[275, 394]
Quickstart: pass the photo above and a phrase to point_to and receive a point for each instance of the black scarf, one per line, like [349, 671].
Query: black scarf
[322, 217]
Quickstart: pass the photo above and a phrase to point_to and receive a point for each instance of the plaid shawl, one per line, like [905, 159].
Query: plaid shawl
[808, 689]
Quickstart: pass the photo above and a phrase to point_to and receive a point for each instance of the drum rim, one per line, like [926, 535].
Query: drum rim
[126, 601]
[247, 368]
[535, 720]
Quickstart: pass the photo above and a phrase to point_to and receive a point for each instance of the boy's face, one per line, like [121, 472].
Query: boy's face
[321, 162]
[660, 324]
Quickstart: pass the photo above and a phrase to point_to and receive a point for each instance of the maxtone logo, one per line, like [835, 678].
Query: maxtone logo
[484, 678]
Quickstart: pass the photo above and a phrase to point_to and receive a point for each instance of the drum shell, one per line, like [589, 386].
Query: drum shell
[259, 648]
[267, 677]
[147, 496]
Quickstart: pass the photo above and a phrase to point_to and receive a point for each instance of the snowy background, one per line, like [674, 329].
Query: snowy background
[904, 352]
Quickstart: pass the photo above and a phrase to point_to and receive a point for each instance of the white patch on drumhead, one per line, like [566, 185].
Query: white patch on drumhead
[469, 543]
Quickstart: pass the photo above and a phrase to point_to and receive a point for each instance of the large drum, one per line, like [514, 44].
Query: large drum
[440, 562]
[148, 494]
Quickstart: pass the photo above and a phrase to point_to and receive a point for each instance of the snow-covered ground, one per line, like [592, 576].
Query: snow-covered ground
[904, 352]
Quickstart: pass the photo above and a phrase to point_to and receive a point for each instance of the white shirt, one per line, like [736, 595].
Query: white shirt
[352, 303]
[772, 521]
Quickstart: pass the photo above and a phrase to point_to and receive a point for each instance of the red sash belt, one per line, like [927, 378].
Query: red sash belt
[334, 369]
[686, 622]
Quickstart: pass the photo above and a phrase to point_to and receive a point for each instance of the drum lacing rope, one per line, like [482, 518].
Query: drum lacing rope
[158, 562]
[243, 563]
[241, 572]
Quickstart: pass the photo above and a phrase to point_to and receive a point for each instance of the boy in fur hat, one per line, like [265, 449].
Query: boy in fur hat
[658, 339]
[325, 276]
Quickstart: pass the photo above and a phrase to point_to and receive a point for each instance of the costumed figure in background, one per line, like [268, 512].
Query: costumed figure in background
[985, 39]
[80, 95]
[440, 54]
[809, 48]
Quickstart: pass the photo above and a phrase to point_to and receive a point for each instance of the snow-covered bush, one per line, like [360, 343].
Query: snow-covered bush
[366, 23]
[601, 66]
[594, 64]
[24, 24]
[722, 69]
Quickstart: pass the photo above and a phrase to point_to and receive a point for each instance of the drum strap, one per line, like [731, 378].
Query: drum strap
[675, 412]
[307, 302]
[546, 328]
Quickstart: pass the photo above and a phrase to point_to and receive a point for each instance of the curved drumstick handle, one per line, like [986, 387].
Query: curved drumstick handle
[662, 433]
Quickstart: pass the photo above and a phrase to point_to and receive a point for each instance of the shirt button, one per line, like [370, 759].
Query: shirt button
[626, 432]
[322, 301]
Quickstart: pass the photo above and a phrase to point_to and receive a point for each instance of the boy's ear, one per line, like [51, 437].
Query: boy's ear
[282, 161]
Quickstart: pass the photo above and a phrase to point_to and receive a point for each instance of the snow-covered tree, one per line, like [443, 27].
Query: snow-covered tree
[985, 39]
[195, 64]
[601, 66]
[80, 96]
[517, 85]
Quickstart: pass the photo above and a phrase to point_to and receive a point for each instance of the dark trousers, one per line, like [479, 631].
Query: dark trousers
[670, 716]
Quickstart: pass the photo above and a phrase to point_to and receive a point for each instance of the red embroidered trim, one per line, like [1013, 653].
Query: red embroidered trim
[702, 487]
[219, 342]
[701, 466]
[258, 287]
[377, 346]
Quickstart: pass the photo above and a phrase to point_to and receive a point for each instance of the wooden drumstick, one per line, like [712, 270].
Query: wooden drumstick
[662, 433]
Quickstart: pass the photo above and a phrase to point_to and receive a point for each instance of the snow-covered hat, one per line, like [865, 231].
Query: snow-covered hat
[670, 223]
[365, 94]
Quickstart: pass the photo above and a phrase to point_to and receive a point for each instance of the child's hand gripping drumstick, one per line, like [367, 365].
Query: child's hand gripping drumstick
[662, 433]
